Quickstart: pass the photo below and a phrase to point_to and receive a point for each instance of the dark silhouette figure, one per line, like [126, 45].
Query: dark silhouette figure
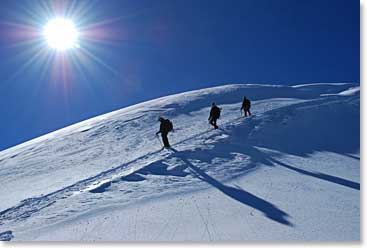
[214, 115]
[246, 105]
[165, 127]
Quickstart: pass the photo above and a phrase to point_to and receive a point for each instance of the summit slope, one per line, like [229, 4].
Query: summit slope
[289, 172]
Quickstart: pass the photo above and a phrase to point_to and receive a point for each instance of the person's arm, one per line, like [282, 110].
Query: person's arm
[211, 113]
[160, 130]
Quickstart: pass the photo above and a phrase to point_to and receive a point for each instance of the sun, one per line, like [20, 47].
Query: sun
[61, 34]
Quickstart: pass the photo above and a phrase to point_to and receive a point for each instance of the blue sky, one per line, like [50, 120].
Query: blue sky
[144, 49]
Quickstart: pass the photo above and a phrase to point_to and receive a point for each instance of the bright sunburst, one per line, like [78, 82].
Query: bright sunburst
[61, 34]
[46, 33]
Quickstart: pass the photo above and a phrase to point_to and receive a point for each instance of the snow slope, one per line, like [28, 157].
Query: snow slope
[289, 172]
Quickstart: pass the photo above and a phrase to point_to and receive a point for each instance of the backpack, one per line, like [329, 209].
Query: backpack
[246, 104]
[169, 125]
[216, 112]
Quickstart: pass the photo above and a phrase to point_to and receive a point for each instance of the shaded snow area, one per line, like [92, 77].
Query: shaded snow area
[291, 171]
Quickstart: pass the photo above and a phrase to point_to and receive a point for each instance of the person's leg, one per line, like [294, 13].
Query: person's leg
[215, 123]
[165, 140]
[247, 111]
[212, 121]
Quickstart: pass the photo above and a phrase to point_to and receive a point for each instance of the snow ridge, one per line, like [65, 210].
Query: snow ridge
[115, 160]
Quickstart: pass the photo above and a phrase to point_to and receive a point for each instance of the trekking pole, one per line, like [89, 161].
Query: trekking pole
[159, 139]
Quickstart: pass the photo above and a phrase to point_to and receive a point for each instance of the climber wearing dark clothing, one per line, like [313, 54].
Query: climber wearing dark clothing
[214, 115]
[165, 127]
[246, 105]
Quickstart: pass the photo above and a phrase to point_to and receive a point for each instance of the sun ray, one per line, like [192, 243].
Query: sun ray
[62, 67]
[28, 63]
[99, 61]
[81, 72]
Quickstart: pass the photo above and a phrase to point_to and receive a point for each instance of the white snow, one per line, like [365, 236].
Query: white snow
[289, 172]
[348, 92]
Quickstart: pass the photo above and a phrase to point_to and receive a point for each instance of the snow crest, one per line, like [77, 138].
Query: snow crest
[115, 159]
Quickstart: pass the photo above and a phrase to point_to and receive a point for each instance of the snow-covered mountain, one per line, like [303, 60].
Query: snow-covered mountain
[291, 171]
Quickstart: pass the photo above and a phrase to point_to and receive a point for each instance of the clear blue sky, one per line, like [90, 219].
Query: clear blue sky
[148, 49]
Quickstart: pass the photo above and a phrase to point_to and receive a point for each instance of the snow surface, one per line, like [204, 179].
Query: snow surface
[289, 172]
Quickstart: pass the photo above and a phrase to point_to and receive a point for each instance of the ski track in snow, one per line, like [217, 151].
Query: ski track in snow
[116, 154]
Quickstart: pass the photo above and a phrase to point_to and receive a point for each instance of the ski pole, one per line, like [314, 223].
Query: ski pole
[159, 139]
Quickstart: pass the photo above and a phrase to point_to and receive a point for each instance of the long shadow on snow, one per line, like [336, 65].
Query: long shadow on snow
[238, 194]
[219, 150]
[259, 157]
[326, 124]
[322, 176]
[31, 205]
[222, 150]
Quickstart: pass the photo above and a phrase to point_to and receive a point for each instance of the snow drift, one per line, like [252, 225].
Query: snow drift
[295, 162]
